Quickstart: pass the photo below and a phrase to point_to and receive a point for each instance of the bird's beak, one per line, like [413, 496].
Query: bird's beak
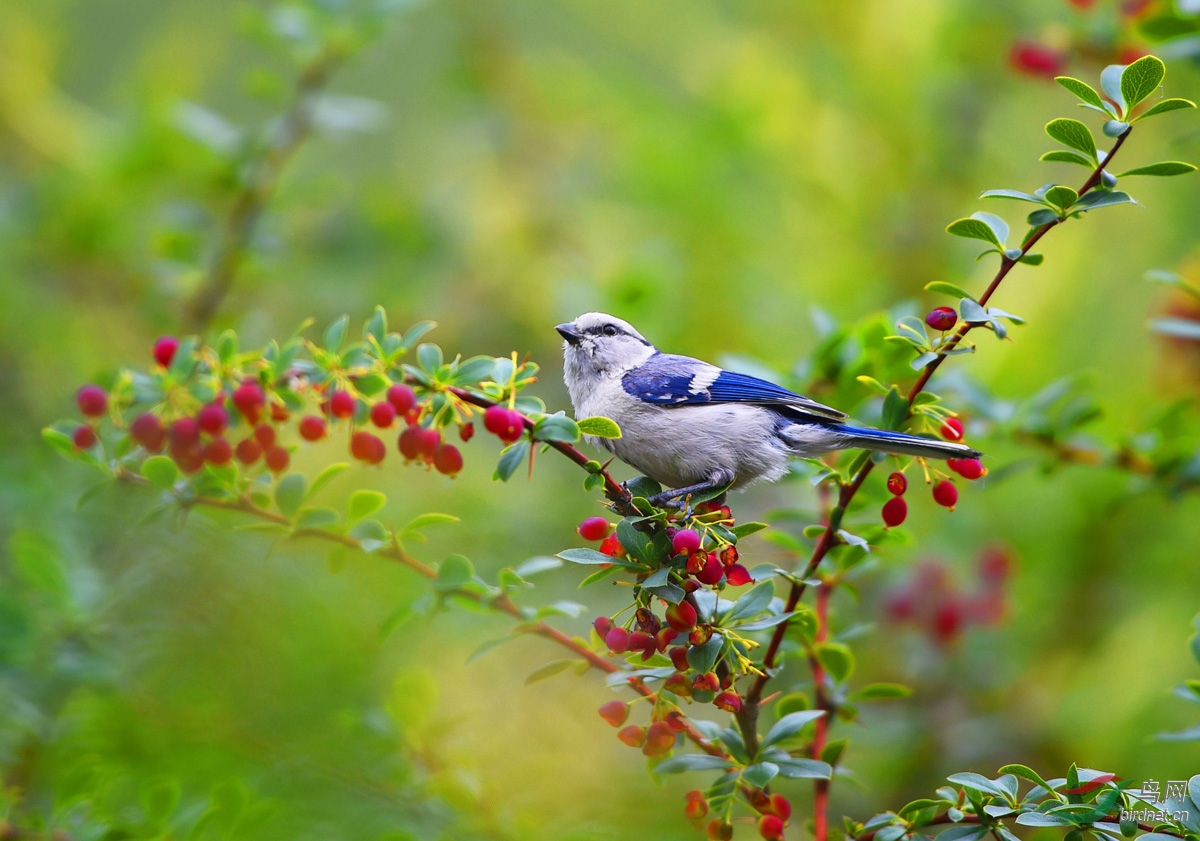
[568, 332]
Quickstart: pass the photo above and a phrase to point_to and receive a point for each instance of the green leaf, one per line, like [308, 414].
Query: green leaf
[1081, 89]
[1067, 156]
[1162, 168]
[1025, 773]
[972, 228]
[490, 645]
[363, 503]
[881, 692]
[316, 518]
[589, 557]
[1102, 198]
[1042, 217]
[806, 769]
[551, 669]
[1110, 81]
[335, 334]
[600, 427]
[416, 332]
[977, 782]
[999, 226]
[1141, 79]
[512, 458]
[161, 471]
[753, 602]
[746, 529]
[1062, 197]
[371, 535]
[433, 518]
[837, 659]
[760, 773]
[692, 762]
[557, 427]
[789, 726]
[429, 357]
[376, 326]
[1164, 106]
[895, 409]
[454, 572]
[289, 493]
[947, 289]
[473, 370]
[1040, 819]
[702, 658]
[1010, 194]
[1074, 134]
[325, 477]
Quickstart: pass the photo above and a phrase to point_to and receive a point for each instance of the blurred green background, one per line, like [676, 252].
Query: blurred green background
[710, 171]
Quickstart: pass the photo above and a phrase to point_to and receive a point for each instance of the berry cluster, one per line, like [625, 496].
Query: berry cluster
[932, 602]
[945, 493]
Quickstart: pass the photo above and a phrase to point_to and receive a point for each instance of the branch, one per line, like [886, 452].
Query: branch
[258, 188]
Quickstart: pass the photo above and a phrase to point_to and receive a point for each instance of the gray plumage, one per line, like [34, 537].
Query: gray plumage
[690, 425]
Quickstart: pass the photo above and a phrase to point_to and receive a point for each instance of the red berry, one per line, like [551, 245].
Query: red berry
[184, 431]
[770, 827]
[218, 451]
[779, 806]
[92, 400]
[994, 565]
[617, 640]
[685, 542]
[942, 318]
[633, 736]
[729, 556]
[466, 432]
[696, 809]
[447, 460]
[401, 398]
[249, 400]
[506, 424]
[643, 642]
[279, 412]
[968, 468]
[148, 431]
[313, 428]
[248, 451]
[611, 546]
[383, 414]
[897, 484]
[164, 350]
[277, 459]
[900, 606]
[731, 702]
[84, 437]
[265, 435]
[428, 441]
[952, 429]
[366, 447]
[189, 456]
[1036, 60]
[948, 621]
[213, 419]
[945, 494]
[409, 443]
[682, 617]
[707, 682]
[594, 528]
[679, 658]
[341, 404]
[737, 575]
[615, 712]
[677, 684]
[713, 572]
[719, 831]
[660, 738]
[895, 511]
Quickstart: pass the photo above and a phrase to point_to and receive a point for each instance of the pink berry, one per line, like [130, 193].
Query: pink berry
[84, 437]
[249, 399]
[713, 572]
[164, 350]
[770, 827]
[682, 617]
[685, 542]
[341, 404]
[402, 398]
[968, 468]
[897, 484]
[945, 494]
[383, 414]
[428, 441]
[506, 424]
[617, 640]
[942, 318]
[895, 511]
[184, 431]
[594, 528]
[313, 428]
[366, 447]
[952, 429]
[92, 400]
[213, 419]
[602, 625]
[148, 431]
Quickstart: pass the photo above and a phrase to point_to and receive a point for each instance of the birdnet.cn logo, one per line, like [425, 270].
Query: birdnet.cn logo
[1161, 802]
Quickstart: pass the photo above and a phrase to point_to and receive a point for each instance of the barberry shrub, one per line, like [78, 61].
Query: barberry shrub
[706, 633]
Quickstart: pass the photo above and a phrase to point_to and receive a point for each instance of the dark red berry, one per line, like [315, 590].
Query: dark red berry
[189, 456]
[895, 511]
[968, 468]
[731, 702]
[737, 575]
[218, 452]
[679, 658]
[341, 404]
[366, 447]
[713, 572]
[213, 419]
[249, 399]
[643, 642]
[506, 424]
[184, 431]
[148, 431]
[615, 712]
[602, 625]
[447, 460]
[682, 617]
[770, 827]
[248, 451]
[945, 494]
[947, 622]
[265, 435]
[383, 414]
[313, 428]
[952, 429]
[729, 556]
[409, 443]
[466, 432]
[897, 484]
[685, 542]
[92, 400]
[594, 528]
[779, 806]
[164, 350]
[942, 318]
[277, 459]
[401, 398]
[84, 437]
[428, 441]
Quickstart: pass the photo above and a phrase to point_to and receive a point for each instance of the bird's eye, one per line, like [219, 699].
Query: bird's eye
[610, 330]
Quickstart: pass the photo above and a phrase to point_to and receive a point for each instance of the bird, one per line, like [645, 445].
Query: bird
[695, 428]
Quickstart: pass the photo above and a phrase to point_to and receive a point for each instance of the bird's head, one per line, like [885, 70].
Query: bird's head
[597, 343]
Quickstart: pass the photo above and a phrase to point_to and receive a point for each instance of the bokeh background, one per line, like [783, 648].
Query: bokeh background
[712, 171]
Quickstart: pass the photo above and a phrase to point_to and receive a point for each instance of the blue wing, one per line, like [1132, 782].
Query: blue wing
[669, 380]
